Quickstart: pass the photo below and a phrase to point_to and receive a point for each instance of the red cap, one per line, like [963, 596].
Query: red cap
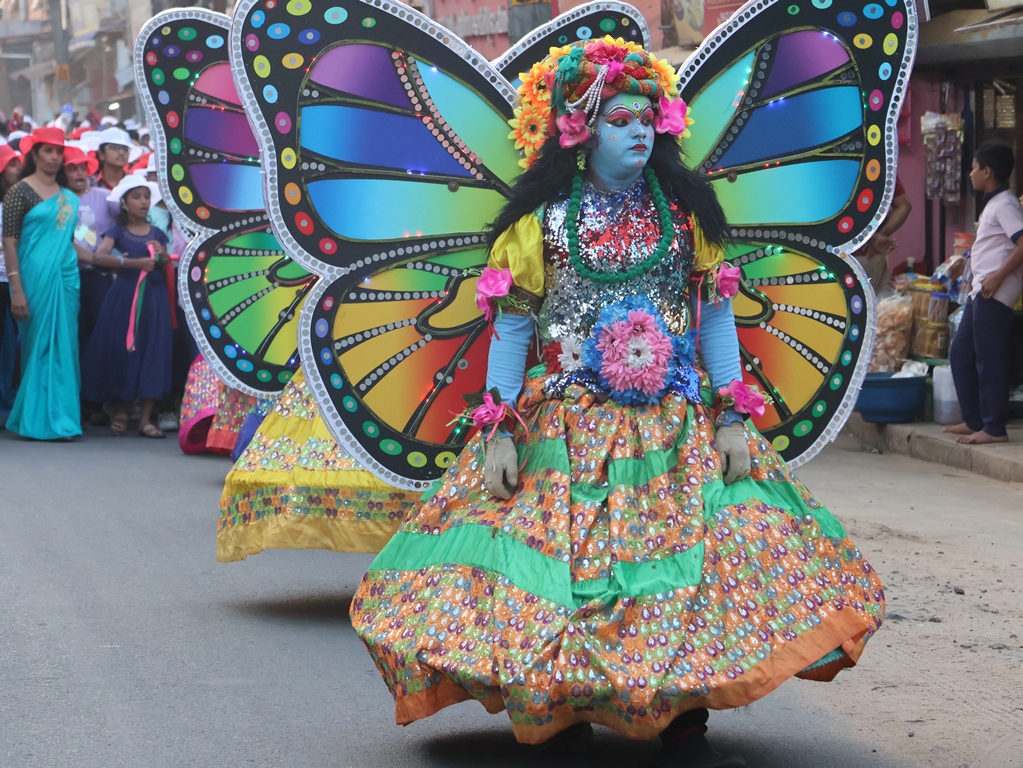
[74, 156]
[42, 136]
[7, 155]
[142, 163]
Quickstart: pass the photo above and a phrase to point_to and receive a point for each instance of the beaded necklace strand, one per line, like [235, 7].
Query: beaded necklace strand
[651, 261]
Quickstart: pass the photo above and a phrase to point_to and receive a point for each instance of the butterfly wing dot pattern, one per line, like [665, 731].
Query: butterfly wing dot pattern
[386, 149]
[795, 108]
[241, 291]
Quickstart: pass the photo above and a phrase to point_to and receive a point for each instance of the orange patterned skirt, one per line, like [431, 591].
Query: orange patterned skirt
[623, 584]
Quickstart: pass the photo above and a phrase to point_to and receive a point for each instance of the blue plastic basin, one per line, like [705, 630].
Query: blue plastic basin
[886, 400]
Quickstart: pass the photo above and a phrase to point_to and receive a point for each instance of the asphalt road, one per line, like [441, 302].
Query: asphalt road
[124, 643]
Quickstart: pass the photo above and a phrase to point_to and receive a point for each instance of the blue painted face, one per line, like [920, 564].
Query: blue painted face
[625, 139]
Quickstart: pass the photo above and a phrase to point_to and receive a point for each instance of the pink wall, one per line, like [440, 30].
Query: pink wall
[490, 46]
[651, 10]
[925, 96]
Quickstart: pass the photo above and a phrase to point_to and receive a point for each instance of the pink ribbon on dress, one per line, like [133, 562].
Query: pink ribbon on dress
[495, 424]
[136, 300]
[699, 300]
[136, 305]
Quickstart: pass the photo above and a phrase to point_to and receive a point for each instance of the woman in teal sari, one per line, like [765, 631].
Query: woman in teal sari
[39, 218]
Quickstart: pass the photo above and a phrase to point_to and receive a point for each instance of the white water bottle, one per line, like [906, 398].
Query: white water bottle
[946, 404]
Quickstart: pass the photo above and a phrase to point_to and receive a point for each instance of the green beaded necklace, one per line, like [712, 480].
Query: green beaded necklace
[651, 261]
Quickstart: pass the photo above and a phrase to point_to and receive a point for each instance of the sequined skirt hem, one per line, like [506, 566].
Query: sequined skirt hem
[624, 583]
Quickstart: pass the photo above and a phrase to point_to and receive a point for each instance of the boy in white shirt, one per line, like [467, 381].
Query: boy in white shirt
[980, 353]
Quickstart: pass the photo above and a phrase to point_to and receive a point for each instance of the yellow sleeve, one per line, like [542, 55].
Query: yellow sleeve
[708, 255]
[520, 249]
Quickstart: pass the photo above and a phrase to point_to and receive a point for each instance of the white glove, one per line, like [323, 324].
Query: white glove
[501, 470]
[734, 452]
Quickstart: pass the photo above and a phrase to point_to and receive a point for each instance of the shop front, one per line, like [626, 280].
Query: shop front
[966, 89]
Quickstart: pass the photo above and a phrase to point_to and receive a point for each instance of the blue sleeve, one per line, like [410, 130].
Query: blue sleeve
[719, 344]
[506, 366]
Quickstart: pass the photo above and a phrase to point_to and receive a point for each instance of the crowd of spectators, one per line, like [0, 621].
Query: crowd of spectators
[90, 329]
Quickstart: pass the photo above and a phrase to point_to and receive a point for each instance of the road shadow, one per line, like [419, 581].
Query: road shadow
[325, 608]
[494, 749]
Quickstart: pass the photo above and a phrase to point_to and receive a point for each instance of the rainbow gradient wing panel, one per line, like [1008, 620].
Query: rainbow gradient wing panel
[795, 107]
[241, 291]
[385, 139]
[581, 23]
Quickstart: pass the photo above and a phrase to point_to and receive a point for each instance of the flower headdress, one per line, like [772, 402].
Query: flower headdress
[561, 95]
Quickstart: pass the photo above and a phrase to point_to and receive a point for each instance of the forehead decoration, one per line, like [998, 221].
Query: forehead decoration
[561, 95]
[635, 108]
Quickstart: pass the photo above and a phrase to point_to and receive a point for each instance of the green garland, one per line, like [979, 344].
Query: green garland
[651, 261]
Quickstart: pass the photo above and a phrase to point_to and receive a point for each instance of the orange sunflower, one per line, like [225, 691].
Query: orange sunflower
[533, 81]
[665, 74]
[529, 129]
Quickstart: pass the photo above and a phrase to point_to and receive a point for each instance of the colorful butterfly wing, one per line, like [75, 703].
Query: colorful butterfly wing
[581, 23]
[386, 149]
[794, 109]
[242, 292]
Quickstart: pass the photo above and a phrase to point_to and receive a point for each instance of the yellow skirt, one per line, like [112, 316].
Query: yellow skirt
[295, 487]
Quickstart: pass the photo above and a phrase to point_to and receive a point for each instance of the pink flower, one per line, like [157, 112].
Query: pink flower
[727, 280]
[635, 354]
[601, 52]
[611, 71]
[672, 116]
[746, 399]
[573, 129]
[493, 284]
[488, 413]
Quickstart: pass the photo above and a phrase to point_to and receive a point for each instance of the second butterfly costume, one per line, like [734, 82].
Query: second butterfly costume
[623, 583]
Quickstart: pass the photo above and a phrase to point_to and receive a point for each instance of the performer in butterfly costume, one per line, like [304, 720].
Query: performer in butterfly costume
[293, 486]
[620, 547]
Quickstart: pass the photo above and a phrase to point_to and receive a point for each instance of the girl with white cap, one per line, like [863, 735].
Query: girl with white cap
[113, 154]
[129, 355]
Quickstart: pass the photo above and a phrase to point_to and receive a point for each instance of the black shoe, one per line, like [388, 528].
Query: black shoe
[574, 740]
[695, 752]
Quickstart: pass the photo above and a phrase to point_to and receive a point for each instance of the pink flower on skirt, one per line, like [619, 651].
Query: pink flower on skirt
[489, 412]
[746, 399]
[635, 354]
[492, 285]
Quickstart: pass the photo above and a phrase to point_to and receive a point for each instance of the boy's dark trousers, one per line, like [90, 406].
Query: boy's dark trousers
[980, 358]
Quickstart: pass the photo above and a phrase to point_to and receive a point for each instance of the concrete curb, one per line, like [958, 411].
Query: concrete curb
[927, 442]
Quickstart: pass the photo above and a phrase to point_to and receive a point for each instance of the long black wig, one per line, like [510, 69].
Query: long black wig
[550, 178]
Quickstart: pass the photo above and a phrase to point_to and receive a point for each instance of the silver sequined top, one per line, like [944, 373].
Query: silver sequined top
[616, 231]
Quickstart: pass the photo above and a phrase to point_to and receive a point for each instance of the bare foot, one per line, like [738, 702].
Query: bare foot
[958, 429]
[981, 438]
